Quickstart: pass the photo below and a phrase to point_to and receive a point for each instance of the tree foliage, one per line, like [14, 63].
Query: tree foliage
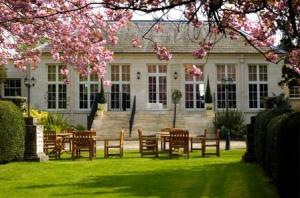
[79, 33]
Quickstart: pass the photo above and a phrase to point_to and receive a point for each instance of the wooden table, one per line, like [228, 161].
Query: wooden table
[164, 137]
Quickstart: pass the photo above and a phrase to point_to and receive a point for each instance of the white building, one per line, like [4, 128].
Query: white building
[137, 72]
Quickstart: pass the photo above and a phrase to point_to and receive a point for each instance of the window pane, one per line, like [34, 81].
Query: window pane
[115, 72]
[163, 89]
[189, 96]
[83, 96]
[12, 87]
[162, 68]
[263, 92]
[220, 72]
[263, 73]
[62, 96]
[252, 73]
[51, 96]
[152, 89]
[231, 72]
[253, 96]
[125, 73]
[151, 68]
[51, 72]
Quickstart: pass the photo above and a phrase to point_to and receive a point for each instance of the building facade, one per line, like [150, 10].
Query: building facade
[136, 72]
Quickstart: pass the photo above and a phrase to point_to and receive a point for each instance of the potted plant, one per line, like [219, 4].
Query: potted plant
[102, 105]
[176, 96]
[208, 99]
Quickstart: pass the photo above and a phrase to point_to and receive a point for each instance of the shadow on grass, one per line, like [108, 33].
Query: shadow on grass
[215, 180]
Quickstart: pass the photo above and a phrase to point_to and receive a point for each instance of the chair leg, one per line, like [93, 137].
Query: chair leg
[218, 150]
[191, 144]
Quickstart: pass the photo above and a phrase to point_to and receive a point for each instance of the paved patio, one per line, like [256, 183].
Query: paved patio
[134, 145]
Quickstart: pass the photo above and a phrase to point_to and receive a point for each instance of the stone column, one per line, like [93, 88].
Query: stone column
[34, 142]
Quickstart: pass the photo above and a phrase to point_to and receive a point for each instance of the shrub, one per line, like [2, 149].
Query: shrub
[262, 120]
[282, 152]
[41, 116]
[234, 122]
[208, 97]
[79, 127]
[19, 101]
[12, 132]
[55, 122]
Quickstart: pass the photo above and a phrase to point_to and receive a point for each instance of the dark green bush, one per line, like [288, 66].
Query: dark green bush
[208, 97]
[280, 149]
[20, 102]
[262, 120]
[12, 132]
[235, 122]
[288, 174]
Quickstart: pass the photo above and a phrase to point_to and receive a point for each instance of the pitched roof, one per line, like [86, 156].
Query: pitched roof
[178, 37]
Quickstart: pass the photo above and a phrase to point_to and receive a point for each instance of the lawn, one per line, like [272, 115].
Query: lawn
[134, 176]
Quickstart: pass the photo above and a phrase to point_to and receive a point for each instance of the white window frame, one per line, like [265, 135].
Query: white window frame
[194, 82]
[15, 88]
[157, 75]
[57, 82]
[87, 82]
[257, 82]
[120, 82]
[219, 82]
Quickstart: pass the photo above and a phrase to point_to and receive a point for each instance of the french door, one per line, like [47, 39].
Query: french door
[157, 85]
[120, 88]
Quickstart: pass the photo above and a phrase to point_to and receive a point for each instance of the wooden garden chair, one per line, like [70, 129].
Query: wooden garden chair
[52, 144]
[213, 141]
[179, 139]
[197, 140]
[110, 144]
[83, 141]
[148, 144]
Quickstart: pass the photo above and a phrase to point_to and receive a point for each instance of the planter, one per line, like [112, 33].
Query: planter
[209, 108]
[101, 109]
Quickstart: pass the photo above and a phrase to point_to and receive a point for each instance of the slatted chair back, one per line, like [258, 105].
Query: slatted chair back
[83, 138]
[148, 144]
[52, 143]
[179, 138]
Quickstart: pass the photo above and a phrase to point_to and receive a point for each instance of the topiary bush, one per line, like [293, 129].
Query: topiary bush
[12, 132]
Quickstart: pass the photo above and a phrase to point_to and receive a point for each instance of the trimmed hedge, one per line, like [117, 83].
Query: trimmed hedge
[278, 148]
[262, 120]
[12, 132]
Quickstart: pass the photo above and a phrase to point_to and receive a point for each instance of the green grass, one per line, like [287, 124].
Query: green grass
[134, 176]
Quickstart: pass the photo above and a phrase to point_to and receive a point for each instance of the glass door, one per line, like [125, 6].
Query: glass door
[157, 85]
[120, 89]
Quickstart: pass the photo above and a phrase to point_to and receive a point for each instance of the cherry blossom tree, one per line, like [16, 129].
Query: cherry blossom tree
[79, 32]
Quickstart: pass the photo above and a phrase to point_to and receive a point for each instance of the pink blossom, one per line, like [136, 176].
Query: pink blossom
[199, 53]
[162, 53]
[107, 83]
[136, 43]
[195, 71]
[271, 56]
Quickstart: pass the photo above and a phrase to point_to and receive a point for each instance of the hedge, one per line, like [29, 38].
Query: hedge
[278, 148]
[12, 132]
[262, 120]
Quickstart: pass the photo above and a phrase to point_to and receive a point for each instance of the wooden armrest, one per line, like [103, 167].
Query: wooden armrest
[112, 139]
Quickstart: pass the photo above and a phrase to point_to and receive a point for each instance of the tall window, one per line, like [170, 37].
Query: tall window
[225, 71]
[258, 85]
[157, 84]
[88, 87]
[194, 89]
[57, 90]
[120, 88]
[12, 87]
